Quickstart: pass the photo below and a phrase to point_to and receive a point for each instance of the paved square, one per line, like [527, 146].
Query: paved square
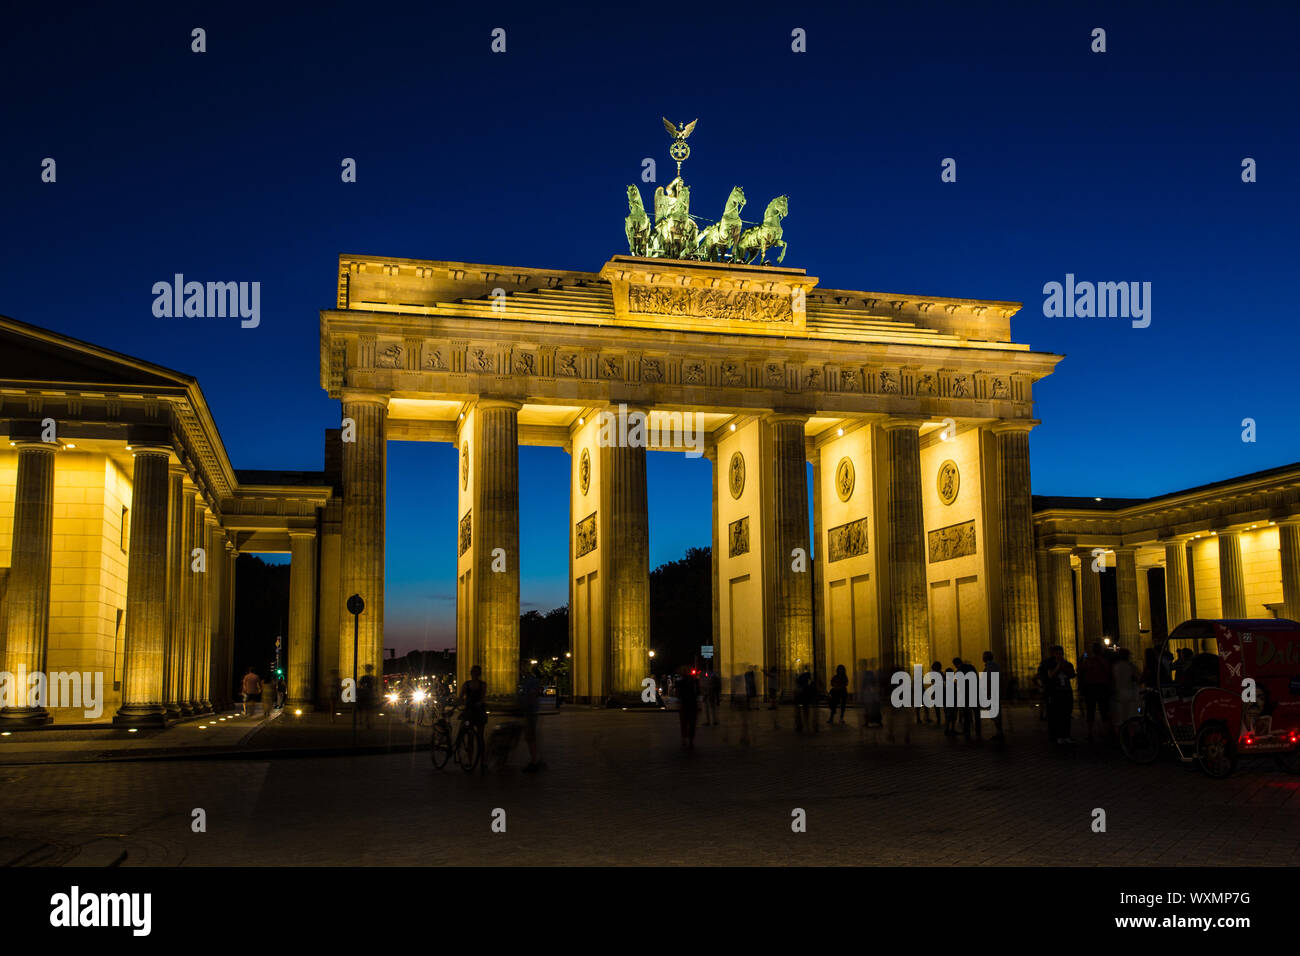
[618, 789]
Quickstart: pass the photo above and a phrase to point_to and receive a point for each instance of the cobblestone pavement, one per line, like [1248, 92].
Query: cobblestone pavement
[618, 789]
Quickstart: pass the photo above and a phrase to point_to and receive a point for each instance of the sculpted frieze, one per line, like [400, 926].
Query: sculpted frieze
[710, 304]
[848, 540]
[954, 541]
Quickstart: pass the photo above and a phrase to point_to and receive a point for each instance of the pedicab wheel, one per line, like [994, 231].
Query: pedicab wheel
[441, 749]
[1290, 762]
[1139, 740]
[1216, 751]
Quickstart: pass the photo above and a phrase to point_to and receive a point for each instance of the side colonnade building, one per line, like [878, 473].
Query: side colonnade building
[1228, 549]
[120, 522]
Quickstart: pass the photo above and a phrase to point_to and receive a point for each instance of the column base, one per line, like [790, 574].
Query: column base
[140, 715]
[172, 710]
[203, 707]
[188, 709]
[25, 717]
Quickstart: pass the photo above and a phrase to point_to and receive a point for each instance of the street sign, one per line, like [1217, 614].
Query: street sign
[355, 604]
[706, 650]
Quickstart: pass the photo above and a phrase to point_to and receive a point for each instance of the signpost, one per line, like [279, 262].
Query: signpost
[355, 607]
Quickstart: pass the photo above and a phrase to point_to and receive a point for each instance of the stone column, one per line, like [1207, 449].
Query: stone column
[209, 582]
[217, 696]
[302, 618]
[1090, 591]
[792, 590]
[818, 589]
[185, 663]
[27, 625]
[1126, 585]
[146, 591]
[1063, 629]
[1020, 625]
[177, 567]
[361, 556]
[1232, 582]
[1288, 538]
[1177, 599]
[495, 524]
[715, 635]
[1144, 601]
[627, 560]
[197, 588]
[232, 558]
[1046, 610]
[908, 640]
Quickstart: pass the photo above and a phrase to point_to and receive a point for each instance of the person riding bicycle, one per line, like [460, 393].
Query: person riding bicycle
[474, 696]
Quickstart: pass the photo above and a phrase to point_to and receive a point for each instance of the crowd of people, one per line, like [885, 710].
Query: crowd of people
[1109, 691]
[693, 690]
[1108, 687]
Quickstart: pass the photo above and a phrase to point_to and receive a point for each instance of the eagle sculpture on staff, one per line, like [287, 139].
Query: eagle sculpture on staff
[682, 133]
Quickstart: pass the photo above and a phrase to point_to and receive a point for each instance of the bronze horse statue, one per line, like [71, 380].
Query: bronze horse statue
[637, 224]
[753, 245]
[716, 239]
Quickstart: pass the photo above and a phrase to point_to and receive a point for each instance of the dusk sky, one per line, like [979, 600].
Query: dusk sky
[1116, 166]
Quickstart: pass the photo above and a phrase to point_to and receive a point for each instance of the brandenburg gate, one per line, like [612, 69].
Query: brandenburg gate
[914, 411]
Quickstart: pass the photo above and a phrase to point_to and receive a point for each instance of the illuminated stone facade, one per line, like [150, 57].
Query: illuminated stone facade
[120, 520]
[928, 400]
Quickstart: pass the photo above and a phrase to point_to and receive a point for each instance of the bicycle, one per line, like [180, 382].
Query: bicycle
[466, 746]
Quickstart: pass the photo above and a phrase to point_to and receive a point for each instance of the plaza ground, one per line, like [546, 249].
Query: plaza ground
[619, 790]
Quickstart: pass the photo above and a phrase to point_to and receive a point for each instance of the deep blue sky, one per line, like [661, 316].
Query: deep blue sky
[1117, 166]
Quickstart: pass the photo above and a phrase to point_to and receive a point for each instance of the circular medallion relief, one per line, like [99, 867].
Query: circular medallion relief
[464, 465]
[736, 474]
[949, 481]
[584, 471]
[844, 478]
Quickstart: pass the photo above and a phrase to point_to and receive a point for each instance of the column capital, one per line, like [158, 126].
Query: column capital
[895, 422]
[779, 415]
[485, 402]
[149, 448]
[33, 444]
[302, 532]
[358, 396]
[1014, 425]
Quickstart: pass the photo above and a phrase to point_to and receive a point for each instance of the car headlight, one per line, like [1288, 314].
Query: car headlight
[419, 696]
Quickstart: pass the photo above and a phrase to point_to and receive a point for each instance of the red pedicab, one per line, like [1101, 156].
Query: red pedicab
[1213, 714]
